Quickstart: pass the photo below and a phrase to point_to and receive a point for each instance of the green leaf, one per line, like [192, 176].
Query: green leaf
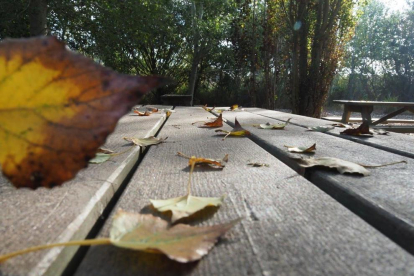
[100, 158]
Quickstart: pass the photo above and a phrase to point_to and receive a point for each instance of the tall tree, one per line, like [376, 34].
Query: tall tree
[38, 17]
[318, 33]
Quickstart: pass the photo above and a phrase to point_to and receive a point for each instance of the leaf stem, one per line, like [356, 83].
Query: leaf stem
[384, 165]
[122, 152]
[183, 155]
[46, 246]
[191, 173]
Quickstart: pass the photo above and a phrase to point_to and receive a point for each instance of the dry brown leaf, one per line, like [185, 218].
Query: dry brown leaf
[147, 141]
[146, 113]
[185, 206]
[257, 164]
[180, 242]
[362, 130]
[56, 109]
[147, 233]
[152, 109]
[321, 128]
[342, 166]
[208, 109]
[274, 126]
[310, 149]
[215, 163]
[215, 123]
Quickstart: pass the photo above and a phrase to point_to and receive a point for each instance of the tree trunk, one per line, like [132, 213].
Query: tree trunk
[196, 49]
[37, 17]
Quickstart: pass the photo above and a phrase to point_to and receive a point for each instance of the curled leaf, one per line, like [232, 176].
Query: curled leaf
[147, 141]
[152, 109]
[340, 125]
[310, 149]
[104, 150]
[180, 242]
[56, 109]
[381, 131]
[208, 109]
[274, 126]
[146, 113]
[342, 166]
[321, 128]
[215, 163]
[234, 107]
[363, 129]
[257, 164]
[185, 206]
[236, 131]
[215, 123]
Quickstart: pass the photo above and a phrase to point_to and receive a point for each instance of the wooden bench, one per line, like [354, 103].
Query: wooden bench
[292, 224]
[366, 108]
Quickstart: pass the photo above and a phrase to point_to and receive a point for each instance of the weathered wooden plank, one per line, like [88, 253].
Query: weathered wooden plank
[290, 226]
[397, 143]
[29, 218]
[383, 198]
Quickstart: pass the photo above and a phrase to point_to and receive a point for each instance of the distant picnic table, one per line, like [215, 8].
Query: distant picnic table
[295, 221]
[366, 108]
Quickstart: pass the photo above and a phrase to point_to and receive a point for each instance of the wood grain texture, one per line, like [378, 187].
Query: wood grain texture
[397, 143]
[30, 218]
[385, 198]
[290, 227]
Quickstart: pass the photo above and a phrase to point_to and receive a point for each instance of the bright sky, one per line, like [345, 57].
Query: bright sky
[395, 5]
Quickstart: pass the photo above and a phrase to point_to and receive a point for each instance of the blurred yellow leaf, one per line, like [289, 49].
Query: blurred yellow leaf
[56, 109]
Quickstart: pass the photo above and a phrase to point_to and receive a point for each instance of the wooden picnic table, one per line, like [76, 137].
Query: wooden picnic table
[366, 108]
[301, 222]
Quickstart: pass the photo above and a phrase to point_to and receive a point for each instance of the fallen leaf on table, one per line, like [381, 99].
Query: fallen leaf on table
[215, 123]
[104, 150]
[381, 131]
[181, 243]
[236, 131]
[152, 109]
[257, 164]
[274, 126]
[187, 205]
[340, 125]
[56, 109]
[104, 155]
[342, 166]
[100, 158]
[321, 128]
[215, 163]
[168, 112]
[146, 113]
[234, 107]
[310, 149]
[363, 129]
[147, 141]
[208, 109]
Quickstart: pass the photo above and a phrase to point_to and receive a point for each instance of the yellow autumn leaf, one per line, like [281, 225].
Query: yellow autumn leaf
[56, 108]
[236, 131]
[187, 205]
